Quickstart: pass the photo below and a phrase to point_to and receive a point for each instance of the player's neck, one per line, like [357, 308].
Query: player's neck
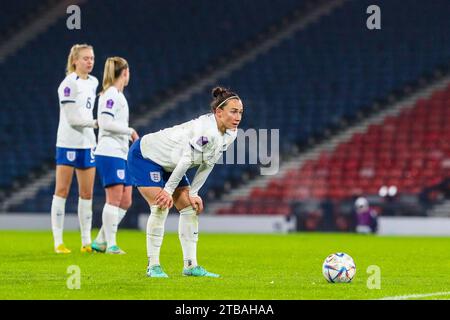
[83, 76]
[221, 127]
[119, 85]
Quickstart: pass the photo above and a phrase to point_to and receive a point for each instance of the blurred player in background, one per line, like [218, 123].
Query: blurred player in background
[158, 163]
[111, 152]
[366, 217]
[75, 144]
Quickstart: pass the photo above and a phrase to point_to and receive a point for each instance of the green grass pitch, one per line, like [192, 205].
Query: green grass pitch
[280, 267]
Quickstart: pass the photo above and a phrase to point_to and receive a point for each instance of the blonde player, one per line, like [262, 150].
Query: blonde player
[158, 162]
[75, 143]
[111, 152]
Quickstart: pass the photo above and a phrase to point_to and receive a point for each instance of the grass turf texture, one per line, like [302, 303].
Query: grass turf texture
[287, 267]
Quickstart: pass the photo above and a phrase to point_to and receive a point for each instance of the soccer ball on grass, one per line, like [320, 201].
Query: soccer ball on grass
[339, 267]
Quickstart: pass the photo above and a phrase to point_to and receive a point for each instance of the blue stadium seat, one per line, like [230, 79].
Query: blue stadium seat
[332, 69]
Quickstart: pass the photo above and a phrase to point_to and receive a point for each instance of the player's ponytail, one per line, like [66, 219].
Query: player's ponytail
[221, 96]
[113, 70]
[73, 55]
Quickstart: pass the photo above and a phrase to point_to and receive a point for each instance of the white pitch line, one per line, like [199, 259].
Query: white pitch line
[412, 296]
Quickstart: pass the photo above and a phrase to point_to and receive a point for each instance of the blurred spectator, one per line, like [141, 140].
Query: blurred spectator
[366, 217]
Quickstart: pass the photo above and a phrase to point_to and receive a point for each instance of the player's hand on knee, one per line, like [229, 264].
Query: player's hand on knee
[196, 203]
[164, 200]
[169, 203]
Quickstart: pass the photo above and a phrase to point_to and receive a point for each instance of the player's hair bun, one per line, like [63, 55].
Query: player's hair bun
[220, 97]
[218, 91]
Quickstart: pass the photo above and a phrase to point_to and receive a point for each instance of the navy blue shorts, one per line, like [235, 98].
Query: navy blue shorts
[78, 158]
[145, 172]
[112, 171]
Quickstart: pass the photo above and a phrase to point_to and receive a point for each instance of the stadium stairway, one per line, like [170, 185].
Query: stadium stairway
[241, 57]
[440, 210]
[265, 195]
[26, 21]
[339, 100]
[317, 76]
[159, 71]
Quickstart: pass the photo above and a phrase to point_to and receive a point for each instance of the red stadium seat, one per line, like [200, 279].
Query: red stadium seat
[410, 150]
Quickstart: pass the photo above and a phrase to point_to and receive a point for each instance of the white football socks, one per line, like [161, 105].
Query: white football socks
[110, 221]
[155, 233]
[85, 218]
[188, 234]
[101, 238]
[58, 211]
[122, 213]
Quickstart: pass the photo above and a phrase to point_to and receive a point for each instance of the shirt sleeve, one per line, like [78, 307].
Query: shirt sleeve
[108, 104]
[209, 156]
[200, 143]
[67, 92]
[199, 151]
[106, 122]
[209, 161]
[200, 177]
[75, 118]
[186, 160]
[67, 98]
[193, 154]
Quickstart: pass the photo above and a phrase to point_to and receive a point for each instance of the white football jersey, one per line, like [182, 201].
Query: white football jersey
[82, 92]
[166, 147]
[113, 103]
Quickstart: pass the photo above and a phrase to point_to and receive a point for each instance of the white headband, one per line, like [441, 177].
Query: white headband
[232, 97]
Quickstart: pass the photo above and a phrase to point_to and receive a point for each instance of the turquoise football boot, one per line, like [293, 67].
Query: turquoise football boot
[199, 271]
[98, 246]
[156, 272]
[114, 250]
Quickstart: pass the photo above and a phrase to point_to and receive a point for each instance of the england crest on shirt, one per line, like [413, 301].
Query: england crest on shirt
[121, 174]
[155, 176]
[71, 155]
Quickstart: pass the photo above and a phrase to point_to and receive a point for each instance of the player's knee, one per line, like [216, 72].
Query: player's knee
[181, 198]
[126, 204]
[113, 202]
[85, 195]
[62, 192]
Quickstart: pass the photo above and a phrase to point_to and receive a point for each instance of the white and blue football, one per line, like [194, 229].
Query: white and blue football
[339, 267]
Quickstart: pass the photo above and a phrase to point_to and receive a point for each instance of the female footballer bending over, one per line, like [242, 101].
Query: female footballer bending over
[111, 152]
[158, 163]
